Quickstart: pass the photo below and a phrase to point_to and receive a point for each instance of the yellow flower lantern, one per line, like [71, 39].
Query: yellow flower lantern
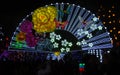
[43, 19]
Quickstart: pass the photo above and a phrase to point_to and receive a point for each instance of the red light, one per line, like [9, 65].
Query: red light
[81, 69]
[7, 38]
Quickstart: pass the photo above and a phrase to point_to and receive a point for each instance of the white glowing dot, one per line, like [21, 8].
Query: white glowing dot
[108, 51]
[83, 8]
[86, 32]
[78, 43]
[89, 36]
[100, 27]
[90, 44]
[52, 40]
[78, 6]
[83, 42]
[62, 49]
[93, 26]
[67, 49]
[64, 42]
[70, 44]
[52, 35]
[58, 37]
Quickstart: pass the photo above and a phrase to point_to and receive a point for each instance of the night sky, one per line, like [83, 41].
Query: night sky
[12, 12]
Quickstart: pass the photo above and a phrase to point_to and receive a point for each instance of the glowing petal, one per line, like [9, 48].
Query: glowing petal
[100, 27]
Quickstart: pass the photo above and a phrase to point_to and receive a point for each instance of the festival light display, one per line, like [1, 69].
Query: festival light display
[60, 27]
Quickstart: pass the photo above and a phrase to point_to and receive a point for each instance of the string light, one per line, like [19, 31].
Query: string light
[103, 15]
[104, 22]
[118, 32]
[114, 28]
[119, 21]
[113, 6]
[116, 38]
[110, 22]
[98, 16]
[111, 30]
[113, 14]
[109, 11]
[112, 41]
[109, 16]
[113, 21]
[99, 10]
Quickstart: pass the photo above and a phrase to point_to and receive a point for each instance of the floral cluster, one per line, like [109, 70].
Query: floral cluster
[63, 44]
[43, 19]
[26, 35]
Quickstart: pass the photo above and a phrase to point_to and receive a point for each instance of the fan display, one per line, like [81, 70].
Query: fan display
[60, 27]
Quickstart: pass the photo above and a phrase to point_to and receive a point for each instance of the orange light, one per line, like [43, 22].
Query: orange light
[99, 10]
[109, 11]
[113, 14]
[104, 22]
[112, 41]
[109, 16]
[110, 22]
[118, 32]
[103, 15]
[119, 21]
[101, 6]
[7, 38]
[98, 16]
[113, 6]
[116, 38]
[114, 35]
[113, 21]
[111, 30]
[114, 28]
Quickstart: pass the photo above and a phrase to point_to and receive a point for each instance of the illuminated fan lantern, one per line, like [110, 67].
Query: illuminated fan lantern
[67, 28]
